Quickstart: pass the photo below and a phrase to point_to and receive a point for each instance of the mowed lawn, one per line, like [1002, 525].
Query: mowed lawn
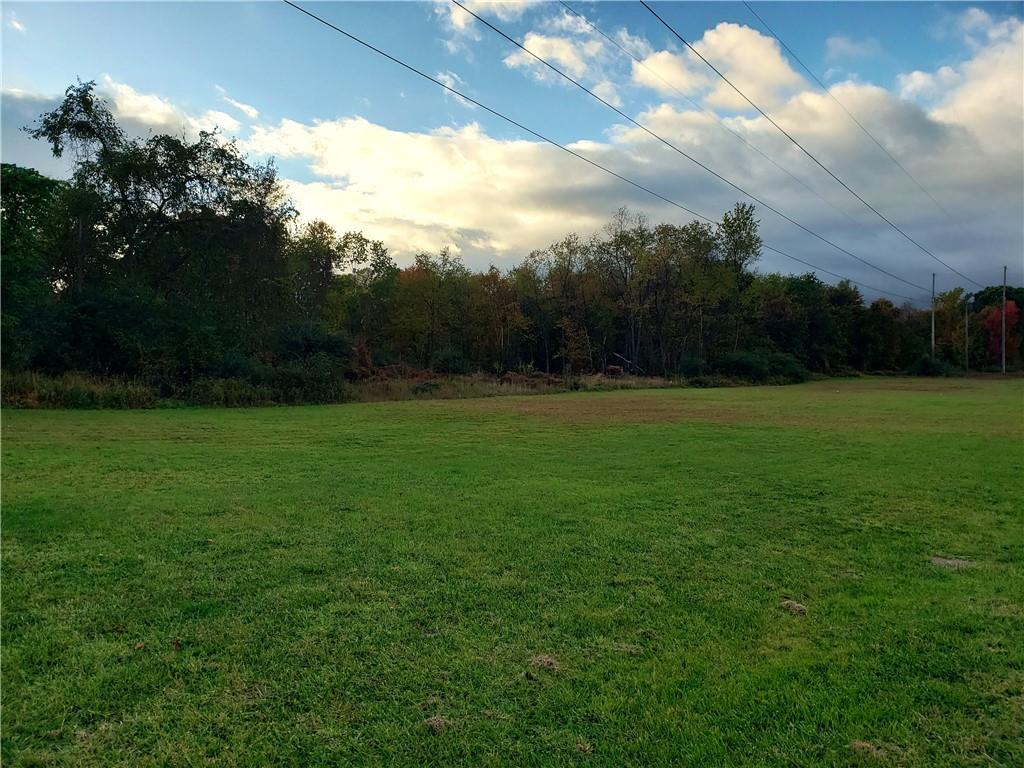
[587, 579]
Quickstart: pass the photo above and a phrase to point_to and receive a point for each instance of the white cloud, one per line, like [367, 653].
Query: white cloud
[504, 10]
[214, 119]
[571, 55]
[158, 114]
[670, 73]
[958, 129]
[568, 22]
[459, 24]
[246, 109]
[633, 44]
[456, 187]
[986, 96]
[452, 80]
[753, 62]
[496, 200]
[975, 19]
[926, 85]
[15, 24]
[579, 51]
[978, 28]
[606, 90]
[843, 47]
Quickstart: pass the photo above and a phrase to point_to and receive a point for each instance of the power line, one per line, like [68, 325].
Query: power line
[800, 146]
[705, 110]
[689, 157]
[849, 114]
[562, 147]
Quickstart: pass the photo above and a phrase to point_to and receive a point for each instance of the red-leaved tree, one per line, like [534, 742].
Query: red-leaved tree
[993, 320]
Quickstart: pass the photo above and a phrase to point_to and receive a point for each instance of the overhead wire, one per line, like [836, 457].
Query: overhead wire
[568, 150]
[842, 106]
[801, 147]
[689, 157]
[705, 111]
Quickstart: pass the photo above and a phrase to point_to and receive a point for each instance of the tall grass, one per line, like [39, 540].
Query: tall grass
[480, 385]
[27, 389]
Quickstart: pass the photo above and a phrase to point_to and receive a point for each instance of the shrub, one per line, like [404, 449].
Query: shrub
[711, 381]
[691, 366]
[302, 342]
[230, 393]
[451, 360]
[760, 367]
[745, 365]
[427, 387]
[26, 389]
[926, 365]
[784, 366]
[319, 378]
[312, 381]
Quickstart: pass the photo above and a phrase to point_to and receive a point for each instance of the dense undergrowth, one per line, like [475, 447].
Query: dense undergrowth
[26, 389]
[265, 387]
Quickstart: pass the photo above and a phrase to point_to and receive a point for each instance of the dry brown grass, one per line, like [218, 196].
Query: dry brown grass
[828, 405]
[439, 387]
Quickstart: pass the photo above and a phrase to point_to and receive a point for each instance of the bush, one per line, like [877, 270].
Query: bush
[427, 387]
[302, 342]
[312, 381]
[691, 366]
[787, 368]
[26, 389]
[761, 367]
[711, 382]
[745, 365]
[451, 360]
[926, 365]
[230, 393]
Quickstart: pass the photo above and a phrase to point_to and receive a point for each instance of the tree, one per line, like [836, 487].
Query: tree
[619, 257]
[174, 259]
[317, 255]
[992, 318]
[27, 222]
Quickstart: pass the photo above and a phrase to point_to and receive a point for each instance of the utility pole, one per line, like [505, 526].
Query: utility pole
[967, 335]
[1003, 343]
[933, 315]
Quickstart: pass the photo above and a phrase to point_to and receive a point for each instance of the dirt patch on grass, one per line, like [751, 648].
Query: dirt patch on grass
[869, 750]
[951, 563]
[437, 723]
[797, 609]
[543, 661]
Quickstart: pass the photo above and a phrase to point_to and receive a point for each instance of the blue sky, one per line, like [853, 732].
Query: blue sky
[321, 105]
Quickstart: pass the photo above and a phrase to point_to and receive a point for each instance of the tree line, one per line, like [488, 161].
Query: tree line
[173, 260]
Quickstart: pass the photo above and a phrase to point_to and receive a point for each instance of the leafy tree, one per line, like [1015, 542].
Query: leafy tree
[176, 260]
[992, 318]
[27, 223]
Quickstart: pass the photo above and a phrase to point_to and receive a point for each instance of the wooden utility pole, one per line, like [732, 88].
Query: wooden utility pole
[967, 334]
[1003, 342]
[933, 315]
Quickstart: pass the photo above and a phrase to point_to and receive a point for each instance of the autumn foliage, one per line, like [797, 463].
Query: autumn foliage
[993, 321]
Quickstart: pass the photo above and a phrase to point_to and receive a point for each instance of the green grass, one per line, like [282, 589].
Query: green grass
[307, 586]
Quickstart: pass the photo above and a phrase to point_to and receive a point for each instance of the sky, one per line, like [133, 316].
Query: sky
[367, 145]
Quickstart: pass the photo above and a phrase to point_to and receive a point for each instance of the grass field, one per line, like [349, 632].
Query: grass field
[585, 579]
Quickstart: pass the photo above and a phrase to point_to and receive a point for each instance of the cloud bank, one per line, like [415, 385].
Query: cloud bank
[958, 129]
